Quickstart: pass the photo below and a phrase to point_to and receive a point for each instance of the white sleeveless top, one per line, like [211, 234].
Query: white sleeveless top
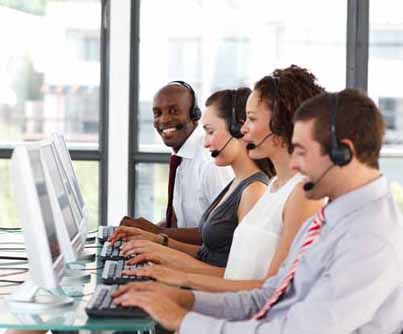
[255, 238]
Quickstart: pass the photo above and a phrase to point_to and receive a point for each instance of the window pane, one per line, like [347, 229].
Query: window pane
[225, 44]
[49, 70]
[151, 191]
[385, 68]
[87, 174]
[391, 168]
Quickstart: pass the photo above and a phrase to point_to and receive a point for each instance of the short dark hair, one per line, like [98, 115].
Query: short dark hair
[358, 119]
[283, 92]
[223, 100]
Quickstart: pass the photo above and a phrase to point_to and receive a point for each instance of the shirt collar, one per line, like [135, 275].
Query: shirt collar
[191, 145]
[355, 199]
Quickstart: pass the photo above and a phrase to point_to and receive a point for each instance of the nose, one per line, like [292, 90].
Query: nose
[206, 141]
[245, 127]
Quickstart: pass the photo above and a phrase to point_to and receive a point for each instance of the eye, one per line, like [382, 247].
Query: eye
[173, 111]
[156, 114]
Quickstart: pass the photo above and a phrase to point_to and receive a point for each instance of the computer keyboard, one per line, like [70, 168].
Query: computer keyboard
[110, 252]
[105, 232]
[101, 305]
[112, 273]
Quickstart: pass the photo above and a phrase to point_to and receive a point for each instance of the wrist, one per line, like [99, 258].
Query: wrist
[163, 239]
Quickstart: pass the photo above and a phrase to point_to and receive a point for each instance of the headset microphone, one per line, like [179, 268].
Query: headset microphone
[252, 146]
[308, 186]
[216, 153]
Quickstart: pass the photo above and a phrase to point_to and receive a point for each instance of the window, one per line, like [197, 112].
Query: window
[50, 82]
[226, 44]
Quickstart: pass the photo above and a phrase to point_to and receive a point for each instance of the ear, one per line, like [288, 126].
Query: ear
[350, 144]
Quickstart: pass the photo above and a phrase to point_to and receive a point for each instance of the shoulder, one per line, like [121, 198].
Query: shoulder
[298, 206]
[253, 192]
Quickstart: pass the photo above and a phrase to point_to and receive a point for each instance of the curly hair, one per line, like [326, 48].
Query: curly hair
[223, 100]
[283, 92]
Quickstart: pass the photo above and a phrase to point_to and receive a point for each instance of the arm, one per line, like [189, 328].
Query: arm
[178, 278]
[334, 304]
[187, 235]
[297, 210]
[249, 197]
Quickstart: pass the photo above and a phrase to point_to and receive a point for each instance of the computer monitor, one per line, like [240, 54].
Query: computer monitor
[33, 196]
[64, 206]
[70, 179]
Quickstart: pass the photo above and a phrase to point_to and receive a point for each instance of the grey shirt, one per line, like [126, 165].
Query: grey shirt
[349, 281]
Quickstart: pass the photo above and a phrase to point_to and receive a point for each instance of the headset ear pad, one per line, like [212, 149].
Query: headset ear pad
[195, 112]
[341, 154]
[235, 130]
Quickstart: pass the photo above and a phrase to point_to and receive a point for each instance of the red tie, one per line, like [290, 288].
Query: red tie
[174, 162]
[311, 235]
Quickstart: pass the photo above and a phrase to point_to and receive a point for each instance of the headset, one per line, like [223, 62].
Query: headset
[339, 153]
[195, 112]
[235, 126]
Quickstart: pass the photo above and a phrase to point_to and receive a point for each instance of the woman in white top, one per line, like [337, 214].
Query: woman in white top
[262, 239]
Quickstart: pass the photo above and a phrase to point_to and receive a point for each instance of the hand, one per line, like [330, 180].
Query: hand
[162, 303]
[127, 233]
[145, 250]
[161, 273]
[141, 223]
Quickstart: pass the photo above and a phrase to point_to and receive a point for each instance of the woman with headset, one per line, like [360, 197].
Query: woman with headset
[222, 123]
[261, 241]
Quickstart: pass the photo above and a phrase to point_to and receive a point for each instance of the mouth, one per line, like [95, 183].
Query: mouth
[168, 131]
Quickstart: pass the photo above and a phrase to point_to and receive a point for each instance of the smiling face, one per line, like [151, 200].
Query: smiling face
[171, 115]
[256, 127]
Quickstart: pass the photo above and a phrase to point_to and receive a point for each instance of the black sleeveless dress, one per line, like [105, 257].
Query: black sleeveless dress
[217, 224]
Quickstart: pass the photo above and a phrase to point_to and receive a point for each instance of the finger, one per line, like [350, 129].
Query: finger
[121, 290]
[140, 258]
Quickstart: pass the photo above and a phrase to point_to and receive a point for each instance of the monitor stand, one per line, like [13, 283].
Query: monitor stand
[86, 256]
[27, 299]
[74, 272]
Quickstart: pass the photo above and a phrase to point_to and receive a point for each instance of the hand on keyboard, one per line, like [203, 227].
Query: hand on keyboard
[164, 308]
[127, 233]
[160, 273]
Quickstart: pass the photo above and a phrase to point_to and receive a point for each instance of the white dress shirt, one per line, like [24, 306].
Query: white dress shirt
[198, 181]
[349, 281]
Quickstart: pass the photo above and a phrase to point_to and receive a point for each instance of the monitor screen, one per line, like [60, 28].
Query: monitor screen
[62, 196]
[67, 166]
[44, 203]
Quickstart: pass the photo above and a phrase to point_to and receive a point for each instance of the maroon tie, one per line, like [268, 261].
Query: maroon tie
[174, 162]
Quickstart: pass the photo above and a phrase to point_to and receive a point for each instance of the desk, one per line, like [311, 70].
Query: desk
[71, 318]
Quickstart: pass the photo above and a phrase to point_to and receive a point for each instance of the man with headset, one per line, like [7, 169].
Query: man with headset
[344, 270]
[194, 179]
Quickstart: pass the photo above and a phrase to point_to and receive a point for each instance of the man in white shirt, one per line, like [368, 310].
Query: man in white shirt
[343, 274]
[197, 180]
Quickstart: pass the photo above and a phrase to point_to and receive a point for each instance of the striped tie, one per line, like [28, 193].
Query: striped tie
[311, 236]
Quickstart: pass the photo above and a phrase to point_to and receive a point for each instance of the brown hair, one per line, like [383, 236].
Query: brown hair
[358, 119]
[283, 92]
[223, 100]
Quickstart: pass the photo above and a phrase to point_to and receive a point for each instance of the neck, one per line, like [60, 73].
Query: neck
[282, 163]
[354, 176]
[177, 148]
[243, 166]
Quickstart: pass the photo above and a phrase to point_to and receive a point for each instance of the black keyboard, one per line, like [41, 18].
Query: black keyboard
[101, 305]
[105, 232]
[112, 273]
[110, 252]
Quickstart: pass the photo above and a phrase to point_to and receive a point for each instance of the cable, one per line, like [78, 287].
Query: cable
[10, 281]
[13, 258]
[14, 229]
[93, 231]
[94, 246]
[16, 271]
